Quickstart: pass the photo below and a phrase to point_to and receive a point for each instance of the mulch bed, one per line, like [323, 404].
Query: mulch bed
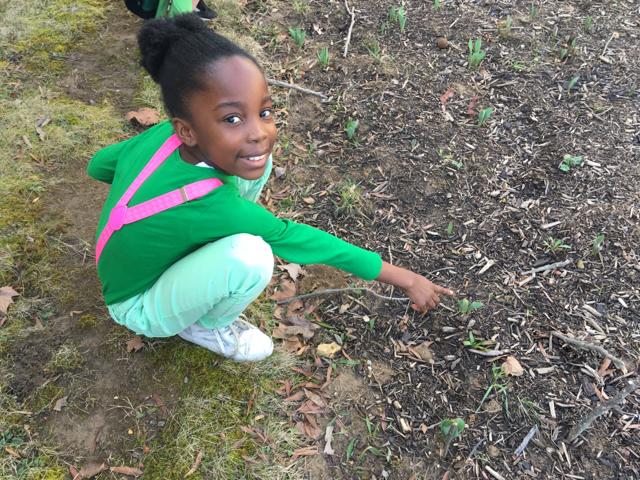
[478, 208]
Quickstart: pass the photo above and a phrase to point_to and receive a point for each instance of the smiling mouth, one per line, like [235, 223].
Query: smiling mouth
[255, 158]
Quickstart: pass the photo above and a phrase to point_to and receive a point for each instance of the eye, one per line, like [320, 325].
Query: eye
[232, 119]
[266, 113]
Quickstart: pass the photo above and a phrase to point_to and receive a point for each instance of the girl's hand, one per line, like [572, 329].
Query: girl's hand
[424, 294]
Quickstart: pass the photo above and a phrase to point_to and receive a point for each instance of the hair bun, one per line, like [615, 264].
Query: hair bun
[157, 36]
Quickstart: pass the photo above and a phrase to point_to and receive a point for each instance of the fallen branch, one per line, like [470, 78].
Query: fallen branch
[279, 83]
[351, 12]
[601, 409]
[594, 348]
[339, 290]
[550, 266]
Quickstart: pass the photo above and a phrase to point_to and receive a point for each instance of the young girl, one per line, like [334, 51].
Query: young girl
[182, 246]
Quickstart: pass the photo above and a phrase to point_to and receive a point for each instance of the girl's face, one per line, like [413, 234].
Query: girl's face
[231, 126]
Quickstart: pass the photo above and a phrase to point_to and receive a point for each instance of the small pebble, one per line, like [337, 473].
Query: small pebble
[442, 43]
[397, 405]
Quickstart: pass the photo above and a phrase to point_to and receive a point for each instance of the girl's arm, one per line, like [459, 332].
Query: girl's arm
[424, 294]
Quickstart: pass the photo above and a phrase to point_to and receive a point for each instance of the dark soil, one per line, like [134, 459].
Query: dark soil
[444, 196]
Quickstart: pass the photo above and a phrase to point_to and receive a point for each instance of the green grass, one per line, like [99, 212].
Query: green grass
[213, 408]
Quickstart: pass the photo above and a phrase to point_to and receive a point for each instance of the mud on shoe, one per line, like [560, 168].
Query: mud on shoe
[241, 341]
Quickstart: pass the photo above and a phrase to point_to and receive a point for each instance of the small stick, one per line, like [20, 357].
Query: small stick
[351, 12]
[594, 348]
[279, 83]
[606, 45]
[550, 266]
[523, 445]
[493, 473]
[601, 409]
[338, 290]
[489, 353]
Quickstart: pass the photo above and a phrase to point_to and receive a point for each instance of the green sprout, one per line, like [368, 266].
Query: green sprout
[572, 83]
[398, 15]
[554, 245]
[569, 161]
[465, 306]
[476, 54]
[351, 447]
[518, 65]
[484, 115]
[588, 23]
[598, 243]
[504, 27]
[374, 49]
[351, 127]
[298, 35]
[323, 56]
[476, 343]
[533, 11]
[437, 4]
[450, 229]
[451, 429]
[570, 49]
[497, 385]
[351, 200]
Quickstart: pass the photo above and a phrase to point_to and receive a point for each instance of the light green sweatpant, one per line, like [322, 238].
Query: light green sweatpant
[211, 286]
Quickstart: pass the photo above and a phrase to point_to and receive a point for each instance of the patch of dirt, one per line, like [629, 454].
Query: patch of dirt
[113, 74]
[476, 208]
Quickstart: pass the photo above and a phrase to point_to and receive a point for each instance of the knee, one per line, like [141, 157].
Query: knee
[254, 254]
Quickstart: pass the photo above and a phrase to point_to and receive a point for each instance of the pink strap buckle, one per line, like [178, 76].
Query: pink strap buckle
[121, 214]
[117, 217]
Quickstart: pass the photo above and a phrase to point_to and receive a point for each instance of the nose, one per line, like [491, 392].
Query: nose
[257, 131]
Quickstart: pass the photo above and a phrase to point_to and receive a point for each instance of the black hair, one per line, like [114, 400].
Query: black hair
[177, 51]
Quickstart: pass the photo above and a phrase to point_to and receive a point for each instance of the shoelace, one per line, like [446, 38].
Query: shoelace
[244, 325]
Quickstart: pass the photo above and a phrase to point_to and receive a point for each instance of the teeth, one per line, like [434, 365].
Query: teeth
[255, 159]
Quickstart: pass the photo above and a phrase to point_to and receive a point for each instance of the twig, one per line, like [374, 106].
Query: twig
[279, 83]
[338, 290]
[523, 445]
[606, 45]
[601, 409]
[594, 348]
[351, 12]
[550, 266]
[493, 473]
[489, 353]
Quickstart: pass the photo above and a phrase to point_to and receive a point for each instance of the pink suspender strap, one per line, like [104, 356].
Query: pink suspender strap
[122, 214]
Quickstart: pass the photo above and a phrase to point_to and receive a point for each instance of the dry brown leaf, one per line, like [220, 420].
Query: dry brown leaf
[328, 349]
[444, 98]
[311, 408]
[511, 366]
[92, 469]
[286, 289]
[75, 475]
[604, 366]
[195, 465]
[315, 398]
[60, 403]
[6, 299]
[135, 344]
[294, 308]
[145, 116]
[296, 397]
[292, 345]
[423, 352]
[293, 269]
[131, 471]
[305, 452]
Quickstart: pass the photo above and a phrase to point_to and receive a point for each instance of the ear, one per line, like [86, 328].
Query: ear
[185, 131]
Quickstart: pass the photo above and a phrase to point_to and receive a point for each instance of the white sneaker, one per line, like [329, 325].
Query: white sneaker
[241, 341]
